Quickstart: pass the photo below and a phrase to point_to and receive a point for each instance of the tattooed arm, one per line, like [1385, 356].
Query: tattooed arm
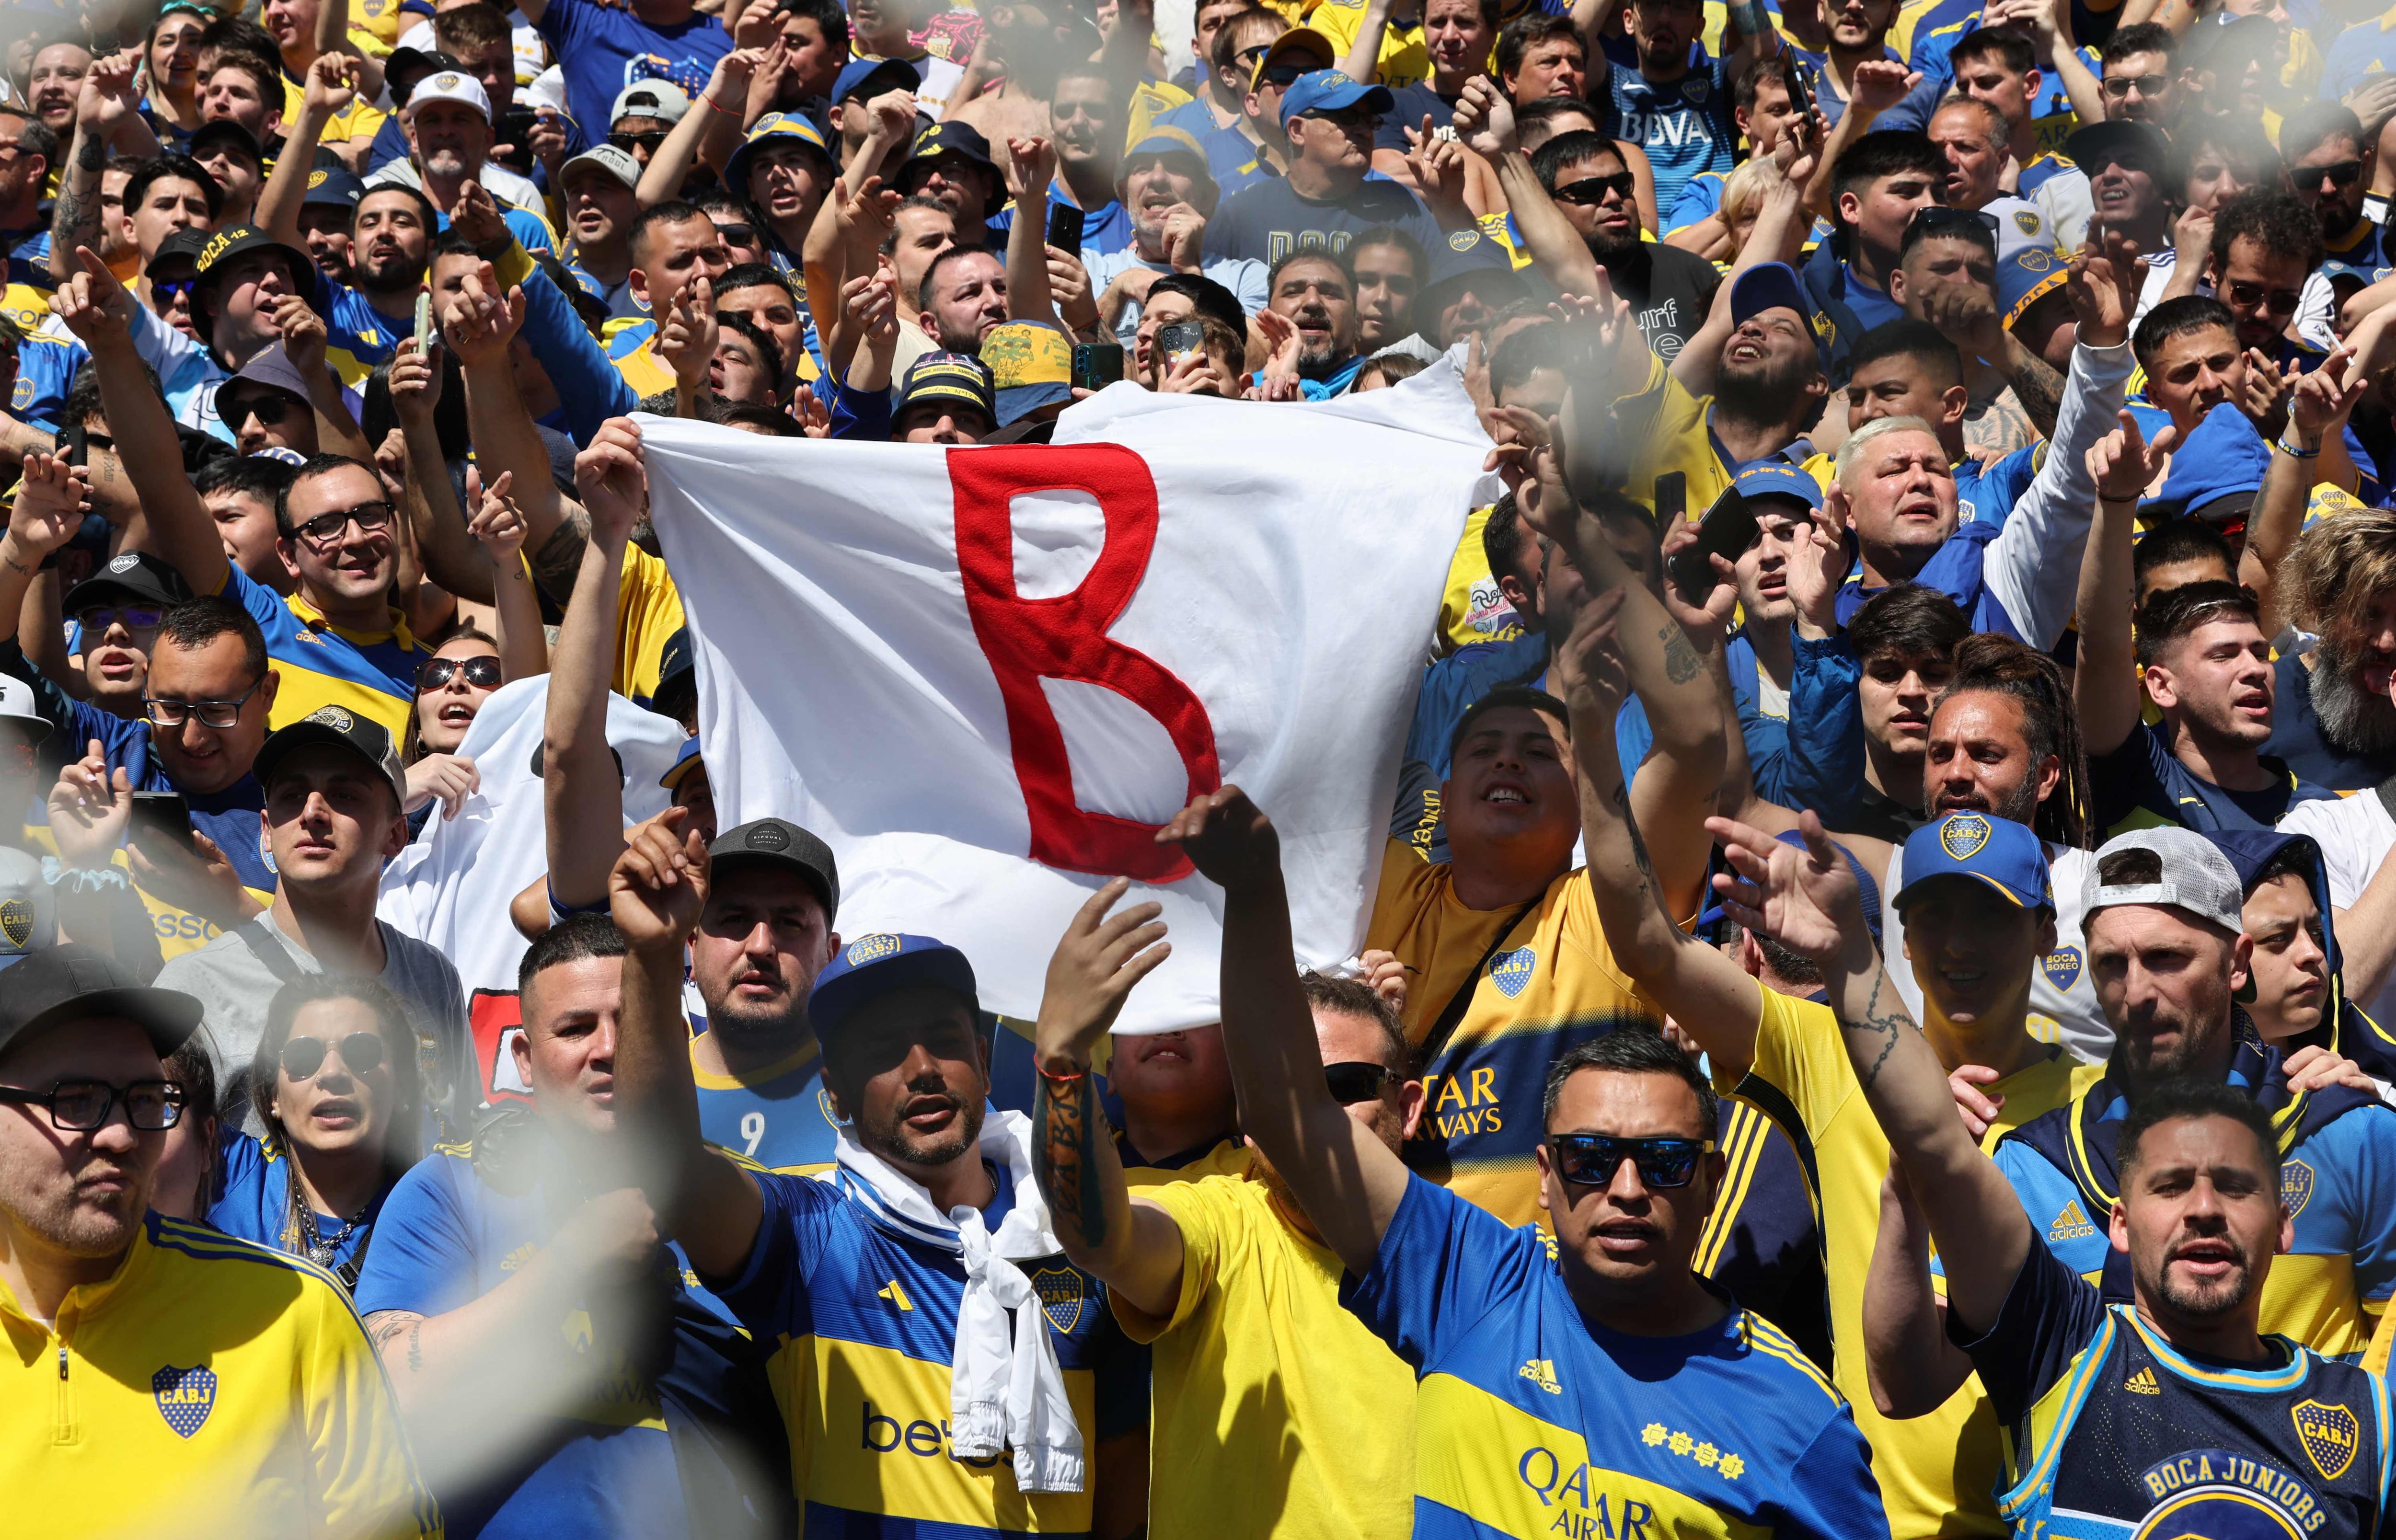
[1134, 1248]
[1807, 899]
[2036, 385]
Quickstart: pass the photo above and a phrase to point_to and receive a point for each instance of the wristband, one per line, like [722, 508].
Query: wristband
[1081, 1074]
[85, 879]
[2283, 446]
[712, 107]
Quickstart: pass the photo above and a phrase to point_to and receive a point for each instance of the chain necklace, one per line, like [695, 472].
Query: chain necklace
[323, 1249]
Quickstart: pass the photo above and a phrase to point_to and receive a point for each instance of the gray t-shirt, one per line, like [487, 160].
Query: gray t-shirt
[234, 978]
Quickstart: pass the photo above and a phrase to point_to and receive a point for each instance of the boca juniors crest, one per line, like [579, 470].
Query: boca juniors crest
[185, 1396]
[1062, 1296]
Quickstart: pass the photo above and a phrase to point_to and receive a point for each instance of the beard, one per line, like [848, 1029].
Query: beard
[2019, 805]
[2208, 1302]
[1766, 391]
[886, 1135]
[2351, 717]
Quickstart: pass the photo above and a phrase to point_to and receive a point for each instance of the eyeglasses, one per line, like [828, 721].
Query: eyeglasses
[133, 618]
[1590, 1160]
[481, 672]
[2118, 86]
[81, 1106]
[302, 1057]
[1590, 192]
[1355, 1082]
[629, 142]
[736, 234]
[270, 407]
[2255, 295]
[219, 714]
[328, 526]
[2338, 173]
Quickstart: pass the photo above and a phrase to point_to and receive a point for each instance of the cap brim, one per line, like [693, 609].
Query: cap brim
[830, 1006]
[167, 1018]
[285, 741]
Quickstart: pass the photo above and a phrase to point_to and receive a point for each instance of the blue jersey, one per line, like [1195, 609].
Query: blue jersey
[1701, 197]
[46, 371]
[372, 673]
[1270, 219]
[255, 1205]
[778, 1115]
[1684, 127]
[2142, 784]
[1105, 230]
[624, 1461]
[2364, 49]
[603, 49]
[1987, 490]
[1529, 1420]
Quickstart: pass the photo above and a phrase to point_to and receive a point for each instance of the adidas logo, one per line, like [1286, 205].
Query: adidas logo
[1542, 1373]
[2071, 1225]
[2142, 1384]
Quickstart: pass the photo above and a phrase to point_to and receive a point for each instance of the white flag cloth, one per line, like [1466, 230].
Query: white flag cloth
[984, 675]
[452, 885]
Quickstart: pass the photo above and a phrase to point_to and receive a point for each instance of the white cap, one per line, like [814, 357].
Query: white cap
[451, 85]
[661, 99]
[17, 703]
[2196, 876]
[29, 913]
[617, 164]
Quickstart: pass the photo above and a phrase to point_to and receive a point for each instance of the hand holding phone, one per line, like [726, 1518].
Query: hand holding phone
[1098, 364]
[1065, 227]
[1728, 528]
[1178, 341]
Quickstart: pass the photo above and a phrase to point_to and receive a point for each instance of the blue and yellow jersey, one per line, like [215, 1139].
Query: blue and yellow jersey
[357, 328]
[778, 1115]
[1404, 59]
[1935, 1472]
[628, 349]
[372, 673]
[2043, 168]
[1550, 983]
[2337, 1177]
[2113, 1432]
[46, 371]
[25, 293]
[1529, 1421]
[254, 1202]
[859, 1324]
[1471, 609]
[360, 119]
[207, 1388]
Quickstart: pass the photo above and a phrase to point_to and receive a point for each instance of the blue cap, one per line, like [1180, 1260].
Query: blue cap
[1330, 91]
[684, 757]
[1770, 286]
[2026, 277]
[332, 185]
[772, 128]
[1866, 888]
[2337, 268]
[1998, 852]
[1778, 478]
[860, 77]
[2217, 472]
[874, 965]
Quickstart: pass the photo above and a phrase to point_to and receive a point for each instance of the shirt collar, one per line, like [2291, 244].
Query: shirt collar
[315, 620]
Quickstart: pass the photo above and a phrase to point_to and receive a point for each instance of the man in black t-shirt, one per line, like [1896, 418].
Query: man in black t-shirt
[1324, 202]
[1670, 290]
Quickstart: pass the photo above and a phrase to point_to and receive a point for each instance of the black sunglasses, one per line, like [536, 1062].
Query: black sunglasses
[1356, 1081]
[82, 1106]
[2252, 295]
[2341, 174]
[1590, 1160]
[481, 672]
[135, 617]
[302, 1057]
[736, 234]
[629, 142]
[269, 406]
[326, 526]
[1591, 191]
[1283, 75]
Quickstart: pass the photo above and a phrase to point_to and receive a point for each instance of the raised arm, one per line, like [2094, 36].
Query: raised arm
[2104, 686]
[1910, 1365]
[443, 545]
[1484, 120]
[2319, 405]
[303, 344]
[1343, 1175]
[332, 87]
[1133, 1248]
[1031, 165]
[687, 337]
[43, 516]
[477, 328]
[710, 125]
[1808, 901]
[500, 529]
[581, 792]
[1362, 58]
[104, 108]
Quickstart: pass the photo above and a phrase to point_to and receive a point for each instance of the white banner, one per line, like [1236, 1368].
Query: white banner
[985, 675]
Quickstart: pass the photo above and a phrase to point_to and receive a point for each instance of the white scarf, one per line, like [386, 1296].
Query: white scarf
[1002, 1392]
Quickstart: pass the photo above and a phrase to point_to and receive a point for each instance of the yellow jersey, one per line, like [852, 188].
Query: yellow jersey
[360, 119]
[208, 1387]
[648, 610]
[1404, 59]
[1471, 609]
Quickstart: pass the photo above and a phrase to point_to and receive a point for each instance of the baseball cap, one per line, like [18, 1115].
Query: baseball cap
[18, 704]
[2338, 270]
[2090, 146]
[181, 246]
[878, 965]
[778, 842]
[65, 983]
[1330, 91]
[1775, 478]
[2196, 877]
[1300, 44]
[452, 85]
[661, 99]
[1031, 367]
[947, 138]
[207, 135]
[2217, 473]
[867, 78]
[2026, 277]
[617, 164]
[132, 573]
[1867, 889]
[773, 127]
[1770, 286]
[332, 185]
[241, 240]
[1166, 139]
[1998, 852]
[270, 366]
[957, 380]
[28, 911]
[684, 757]
[343, 729]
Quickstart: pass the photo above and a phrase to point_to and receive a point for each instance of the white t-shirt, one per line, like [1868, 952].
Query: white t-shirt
[2355, 835]
[2062, 1002]
[1244, 276]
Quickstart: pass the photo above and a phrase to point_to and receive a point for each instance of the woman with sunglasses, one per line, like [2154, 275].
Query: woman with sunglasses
[335, 1083]
[464, 671]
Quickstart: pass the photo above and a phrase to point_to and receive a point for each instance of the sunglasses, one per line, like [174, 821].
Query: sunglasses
[165, 291]
[1590, 1160]
[302, 1057]
[328, 526]
[736, 234]
[1283, 75]
[629, 142]
[2338, 173]
[82, 1106]
[1940, 217]
[481, 672]
[1355, 1082]
[2254, 296]
[2118, 86]
[1590, 192]
[269, 407]
[132, 617]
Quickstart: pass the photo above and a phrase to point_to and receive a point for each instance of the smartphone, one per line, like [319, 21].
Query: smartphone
[1180, 340]
[1727, 530]
[1098, 364]
[423, 320]
[163, 815]
[1065, 227]
[1801, 99]
[1672, 500]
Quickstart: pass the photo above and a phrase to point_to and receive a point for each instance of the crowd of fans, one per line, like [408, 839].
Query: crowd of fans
[1870, 1021]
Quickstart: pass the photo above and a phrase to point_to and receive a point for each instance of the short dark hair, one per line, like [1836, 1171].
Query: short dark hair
[1504, 697]
[1288, 259]
[1501, 537]
[37, 138]
[2315, 123]
[2176, 1100]
[1909, 620]
[181, 168]
[1752, 80]
[2146, 37]
[754, 335]
[1354, 997]
[476, 26]
[721, 199]
[1887, 152]
[320, 464]
[1986, 662]
[196, 622]
[2298, 857]
[1568, 149]
[1205, 296]
[1919, 231]
[2241, 141]
[425, 211]
[238, 34]
[262, 68]
[1526, 352]
[1392, 366]
[755, 275]
[1635, 1049]
[1532, 117]
[1919, 341]
[1226, 51]
[2179, 541]
[12, 336]
[2282, 223]
[929, 283]
[575, 938]
[826, 14]
[2189, 313]
[1526, 31]
[2005, 44]
[2170, 614]
[770, 421]
[672, 211]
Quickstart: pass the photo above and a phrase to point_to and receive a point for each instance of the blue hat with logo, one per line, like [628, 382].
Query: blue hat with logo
[684, 758]
[1866, 888]
[1331, 91]
[1998, 852]
[868, 78]
[2217, 473]
[772, 128]
[2026, 277]
[872, 966]
[2337, 268]
[1778, 478]
[332, 186]
[1770, 286]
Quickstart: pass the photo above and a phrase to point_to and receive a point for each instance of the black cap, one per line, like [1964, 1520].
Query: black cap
[187, 244]
[133, 575]
[332, 186]
[949, 136]
[70, 983]
[241, 139]
[778, 842]
[343, 729]
[2102, 141]
[675, 659]
[240, 240]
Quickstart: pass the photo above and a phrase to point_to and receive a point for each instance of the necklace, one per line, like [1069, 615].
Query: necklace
[323, 1249]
